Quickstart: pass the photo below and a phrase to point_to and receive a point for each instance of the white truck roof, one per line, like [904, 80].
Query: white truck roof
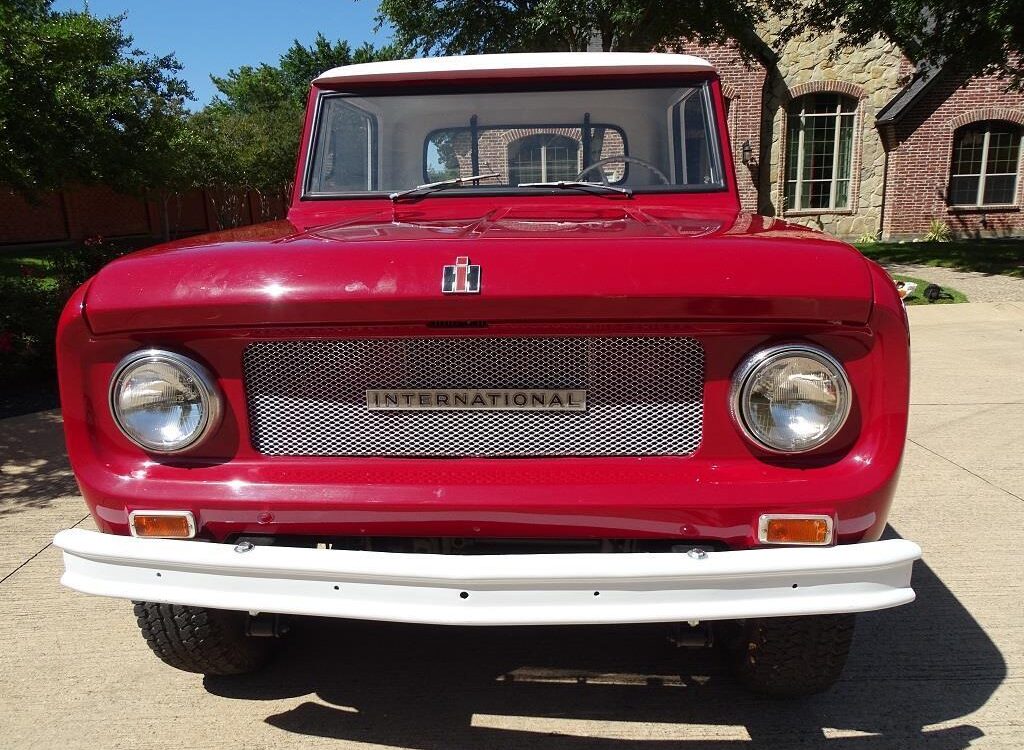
[515, 65]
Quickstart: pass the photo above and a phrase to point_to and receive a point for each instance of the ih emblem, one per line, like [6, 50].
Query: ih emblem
[462, 278]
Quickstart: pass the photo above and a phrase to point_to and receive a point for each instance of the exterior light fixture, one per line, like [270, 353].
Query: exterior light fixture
[747, 152]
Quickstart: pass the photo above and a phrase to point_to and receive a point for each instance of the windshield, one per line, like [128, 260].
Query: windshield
[646, 139]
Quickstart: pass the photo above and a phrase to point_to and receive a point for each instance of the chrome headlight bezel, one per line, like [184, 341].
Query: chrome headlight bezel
[204, 382]
[743, 379]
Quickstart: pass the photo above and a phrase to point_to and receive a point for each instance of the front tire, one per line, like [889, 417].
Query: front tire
[197, 639]
[787, 657]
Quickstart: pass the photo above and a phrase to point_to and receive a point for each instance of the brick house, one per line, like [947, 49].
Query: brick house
[855, 144]
[858, 143]
[525, 154]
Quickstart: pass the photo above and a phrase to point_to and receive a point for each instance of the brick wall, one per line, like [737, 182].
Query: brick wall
[921, 152]
[742, 85]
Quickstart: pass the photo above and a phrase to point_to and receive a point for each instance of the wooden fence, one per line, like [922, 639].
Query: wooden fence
[79, 213]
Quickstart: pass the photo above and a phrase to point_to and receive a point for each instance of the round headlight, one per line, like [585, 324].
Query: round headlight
[791, 398]
[162, 401]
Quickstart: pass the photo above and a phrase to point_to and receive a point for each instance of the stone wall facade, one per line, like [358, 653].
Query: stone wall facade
[872, 74]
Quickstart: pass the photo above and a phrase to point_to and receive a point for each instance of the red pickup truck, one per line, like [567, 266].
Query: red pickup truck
[516, 357]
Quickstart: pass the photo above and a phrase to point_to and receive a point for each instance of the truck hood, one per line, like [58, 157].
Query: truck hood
[538, 263]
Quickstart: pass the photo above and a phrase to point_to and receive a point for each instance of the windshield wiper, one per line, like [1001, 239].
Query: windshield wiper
[431, 187]
[574, 185]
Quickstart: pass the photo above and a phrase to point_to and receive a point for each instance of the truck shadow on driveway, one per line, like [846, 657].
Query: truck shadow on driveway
[608, 688]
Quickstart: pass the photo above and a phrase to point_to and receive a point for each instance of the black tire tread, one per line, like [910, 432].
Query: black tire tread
[197, 639]
[792, 656]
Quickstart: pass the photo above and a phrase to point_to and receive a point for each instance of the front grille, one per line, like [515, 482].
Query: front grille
[308, 398]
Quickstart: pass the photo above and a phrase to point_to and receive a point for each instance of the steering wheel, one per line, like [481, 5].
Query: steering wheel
[623, 158]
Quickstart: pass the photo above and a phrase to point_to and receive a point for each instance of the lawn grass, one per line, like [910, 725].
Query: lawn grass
[989, 256]
[33, 265]
[917, 297]
[37, 262]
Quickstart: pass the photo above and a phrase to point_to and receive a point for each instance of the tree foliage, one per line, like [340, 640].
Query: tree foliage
[77, 103]
[463, 27]
[253, 126]
[978, 36]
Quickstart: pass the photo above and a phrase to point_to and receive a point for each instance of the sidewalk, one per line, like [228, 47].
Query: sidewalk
[978, 287]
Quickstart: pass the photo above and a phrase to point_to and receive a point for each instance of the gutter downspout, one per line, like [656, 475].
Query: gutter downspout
[884, 133]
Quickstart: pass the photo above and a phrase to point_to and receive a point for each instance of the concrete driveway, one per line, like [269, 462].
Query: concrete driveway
[945, 672]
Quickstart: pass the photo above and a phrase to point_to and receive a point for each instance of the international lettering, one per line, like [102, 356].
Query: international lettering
[474, 399]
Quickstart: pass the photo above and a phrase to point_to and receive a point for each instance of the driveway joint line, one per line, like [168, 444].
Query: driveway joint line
[37, 554]
[969, 403]
[964, 468]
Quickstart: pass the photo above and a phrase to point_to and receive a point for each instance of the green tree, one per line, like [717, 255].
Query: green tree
[976, 35]
[254, 124]
[979, 36]
[75, 98]
[460, 27]
[175, 157]
[301, 64]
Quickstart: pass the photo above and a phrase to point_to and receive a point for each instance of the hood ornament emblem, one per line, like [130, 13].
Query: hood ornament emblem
[462, 278]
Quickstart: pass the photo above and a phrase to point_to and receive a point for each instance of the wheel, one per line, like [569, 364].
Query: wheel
[196, 639]
[625, 159]
[789, 656]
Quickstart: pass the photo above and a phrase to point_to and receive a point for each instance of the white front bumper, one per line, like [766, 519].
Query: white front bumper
[552, 589]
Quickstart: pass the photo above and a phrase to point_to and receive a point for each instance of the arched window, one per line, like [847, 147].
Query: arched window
[986, 160]
[819, 152]
[544, 157]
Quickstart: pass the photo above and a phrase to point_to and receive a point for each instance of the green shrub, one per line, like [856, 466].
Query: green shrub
[71, 267]
[938, 231]
[27, 321]
[33, 298]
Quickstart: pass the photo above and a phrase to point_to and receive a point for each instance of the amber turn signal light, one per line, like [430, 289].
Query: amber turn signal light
[795, 529]
[162, 524]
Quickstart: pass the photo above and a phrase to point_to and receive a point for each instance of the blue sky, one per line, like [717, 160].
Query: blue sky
[213, 36]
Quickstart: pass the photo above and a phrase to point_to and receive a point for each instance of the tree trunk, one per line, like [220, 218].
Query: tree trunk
[165, 218]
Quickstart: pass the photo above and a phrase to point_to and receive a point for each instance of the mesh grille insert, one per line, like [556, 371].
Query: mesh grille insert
[308, 398]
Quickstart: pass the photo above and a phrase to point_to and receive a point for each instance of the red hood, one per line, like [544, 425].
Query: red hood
[539, 263]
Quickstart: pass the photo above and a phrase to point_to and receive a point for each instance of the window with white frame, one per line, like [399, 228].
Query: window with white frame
[986, 160]
[543, 157]
[819, 152]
